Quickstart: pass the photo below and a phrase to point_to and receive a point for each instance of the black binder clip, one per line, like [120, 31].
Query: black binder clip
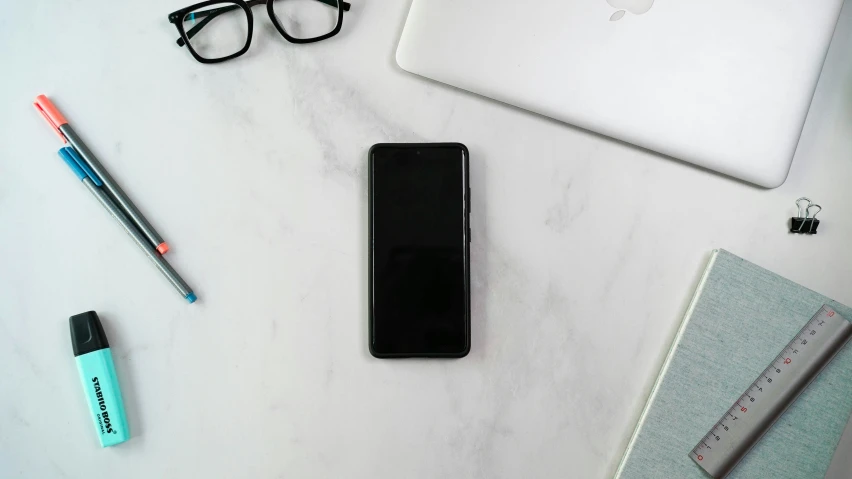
[805, 223]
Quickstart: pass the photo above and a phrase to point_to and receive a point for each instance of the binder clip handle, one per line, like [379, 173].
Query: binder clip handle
[805, 223]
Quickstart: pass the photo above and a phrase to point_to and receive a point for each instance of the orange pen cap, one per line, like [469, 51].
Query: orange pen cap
[50, 114]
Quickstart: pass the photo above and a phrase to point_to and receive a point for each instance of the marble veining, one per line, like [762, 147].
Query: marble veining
[584, 255]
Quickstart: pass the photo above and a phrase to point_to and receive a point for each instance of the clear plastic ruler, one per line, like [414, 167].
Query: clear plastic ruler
[772, 393]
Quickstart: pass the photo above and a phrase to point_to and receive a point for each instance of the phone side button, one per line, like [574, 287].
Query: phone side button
[468, 234]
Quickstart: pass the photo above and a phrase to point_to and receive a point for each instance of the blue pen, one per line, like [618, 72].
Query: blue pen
[93, 183]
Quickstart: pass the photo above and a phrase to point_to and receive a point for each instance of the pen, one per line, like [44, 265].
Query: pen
[93, 183]
[68, 135]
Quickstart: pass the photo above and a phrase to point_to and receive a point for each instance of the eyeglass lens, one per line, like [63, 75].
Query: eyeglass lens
[306, 19]
[217, 30]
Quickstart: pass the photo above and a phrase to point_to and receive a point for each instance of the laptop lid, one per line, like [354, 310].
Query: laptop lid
[723, 84]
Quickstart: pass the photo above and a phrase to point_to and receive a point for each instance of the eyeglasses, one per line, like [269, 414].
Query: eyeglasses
[215, 30]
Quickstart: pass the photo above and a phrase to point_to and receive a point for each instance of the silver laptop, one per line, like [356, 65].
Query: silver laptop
[724, 84]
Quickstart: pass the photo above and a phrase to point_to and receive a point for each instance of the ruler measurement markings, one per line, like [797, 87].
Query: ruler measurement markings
[772, 392]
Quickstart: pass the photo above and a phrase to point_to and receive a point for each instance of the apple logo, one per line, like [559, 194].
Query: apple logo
[636, 7]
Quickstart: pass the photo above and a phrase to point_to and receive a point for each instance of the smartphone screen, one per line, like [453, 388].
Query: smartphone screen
[419, 258]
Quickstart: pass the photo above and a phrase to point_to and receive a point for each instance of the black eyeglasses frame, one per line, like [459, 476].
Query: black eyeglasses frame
[184, 40]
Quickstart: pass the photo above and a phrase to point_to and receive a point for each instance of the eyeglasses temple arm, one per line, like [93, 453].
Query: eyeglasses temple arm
[209, 15]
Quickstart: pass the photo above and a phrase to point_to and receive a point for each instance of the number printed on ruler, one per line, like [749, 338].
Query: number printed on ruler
[777, 387]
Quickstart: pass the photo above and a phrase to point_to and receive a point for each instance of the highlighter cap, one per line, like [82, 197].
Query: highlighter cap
[87, 334]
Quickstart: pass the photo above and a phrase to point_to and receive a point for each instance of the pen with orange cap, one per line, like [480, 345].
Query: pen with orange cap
[68, 135]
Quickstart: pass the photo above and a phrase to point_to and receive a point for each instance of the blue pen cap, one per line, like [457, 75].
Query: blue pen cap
[69, 160]
[78, 166]
[100, 383]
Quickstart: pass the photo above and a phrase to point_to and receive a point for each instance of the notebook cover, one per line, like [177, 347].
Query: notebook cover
[740, 318]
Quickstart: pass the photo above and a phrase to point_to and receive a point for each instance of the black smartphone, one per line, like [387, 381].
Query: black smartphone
[419, 250]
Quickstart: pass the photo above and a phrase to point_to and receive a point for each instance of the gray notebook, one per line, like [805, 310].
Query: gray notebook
[740, 318]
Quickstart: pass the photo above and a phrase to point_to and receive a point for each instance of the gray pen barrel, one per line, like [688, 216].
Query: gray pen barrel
[112, 187]
[140, 240]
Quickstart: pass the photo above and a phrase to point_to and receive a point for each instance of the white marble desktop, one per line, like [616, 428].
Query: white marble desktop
[585, 254]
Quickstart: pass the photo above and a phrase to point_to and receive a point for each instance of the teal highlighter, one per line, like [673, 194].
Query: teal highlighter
[97, 372]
